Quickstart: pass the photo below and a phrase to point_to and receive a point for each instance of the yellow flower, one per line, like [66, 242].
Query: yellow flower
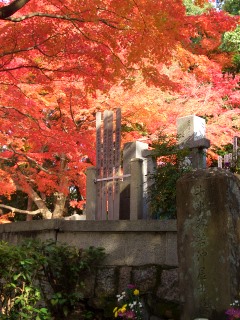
[136, 292]
[123, 309]
[115, 311]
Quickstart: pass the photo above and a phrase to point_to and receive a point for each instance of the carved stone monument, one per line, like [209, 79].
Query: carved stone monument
[208, 218]
[191, 134]
[190, 128]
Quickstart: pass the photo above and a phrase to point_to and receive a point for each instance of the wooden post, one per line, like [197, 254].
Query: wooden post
[108, 163]
[110, 159]
[236, 150]
[99, 161]
[91, 197]
[117, 171]
[105, 165]
[236, 141]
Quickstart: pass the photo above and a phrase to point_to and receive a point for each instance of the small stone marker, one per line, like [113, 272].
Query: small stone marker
[208, 218]
[190, 128]
[230, 160]
[191, 134]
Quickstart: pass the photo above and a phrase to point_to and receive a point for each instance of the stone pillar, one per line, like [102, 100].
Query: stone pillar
[91, 196]
[208, 219]
[136, 190]
[133, 150]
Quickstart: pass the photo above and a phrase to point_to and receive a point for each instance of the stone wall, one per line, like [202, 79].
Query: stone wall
[141, 252]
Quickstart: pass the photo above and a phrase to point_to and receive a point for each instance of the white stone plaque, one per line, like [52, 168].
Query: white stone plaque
[190, 129]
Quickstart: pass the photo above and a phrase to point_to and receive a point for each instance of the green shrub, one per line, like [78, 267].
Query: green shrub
[43, 280]
[162, 192]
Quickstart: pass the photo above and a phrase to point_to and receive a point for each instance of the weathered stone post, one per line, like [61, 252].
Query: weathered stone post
[91, 196]
[208, 219]
[136, 189]
[131, 151]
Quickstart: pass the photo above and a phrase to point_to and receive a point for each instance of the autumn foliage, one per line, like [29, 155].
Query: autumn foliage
[60, 62]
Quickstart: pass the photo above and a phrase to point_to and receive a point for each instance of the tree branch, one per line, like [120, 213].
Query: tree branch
[23, 114]
[21, 211]
[13, 7]
[31, 160]
[113, 25]
[47, 214]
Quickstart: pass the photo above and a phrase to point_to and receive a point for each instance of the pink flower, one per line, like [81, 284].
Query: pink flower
[130, 314]
[233, 314]
[130, 286]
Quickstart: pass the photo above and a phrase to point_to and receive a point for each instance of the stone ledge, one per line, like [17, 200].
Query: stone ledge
[91, 226]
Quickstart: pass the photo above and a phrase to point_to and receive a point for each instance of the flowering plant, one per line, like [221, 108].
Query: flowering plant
[130, 304]
[233, 312]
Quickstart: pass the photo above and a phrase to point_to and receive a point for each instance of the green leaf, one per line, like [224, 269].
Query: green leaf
[16, 276]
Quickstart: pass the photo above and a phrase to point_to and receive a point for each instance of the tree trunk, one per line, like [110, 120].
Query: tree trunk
[60, 196]
[59, 206]
[47, 214]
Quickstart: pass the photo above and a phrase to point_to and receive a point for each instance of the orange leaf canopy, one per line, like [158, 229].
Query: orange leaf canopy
[60, 62]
